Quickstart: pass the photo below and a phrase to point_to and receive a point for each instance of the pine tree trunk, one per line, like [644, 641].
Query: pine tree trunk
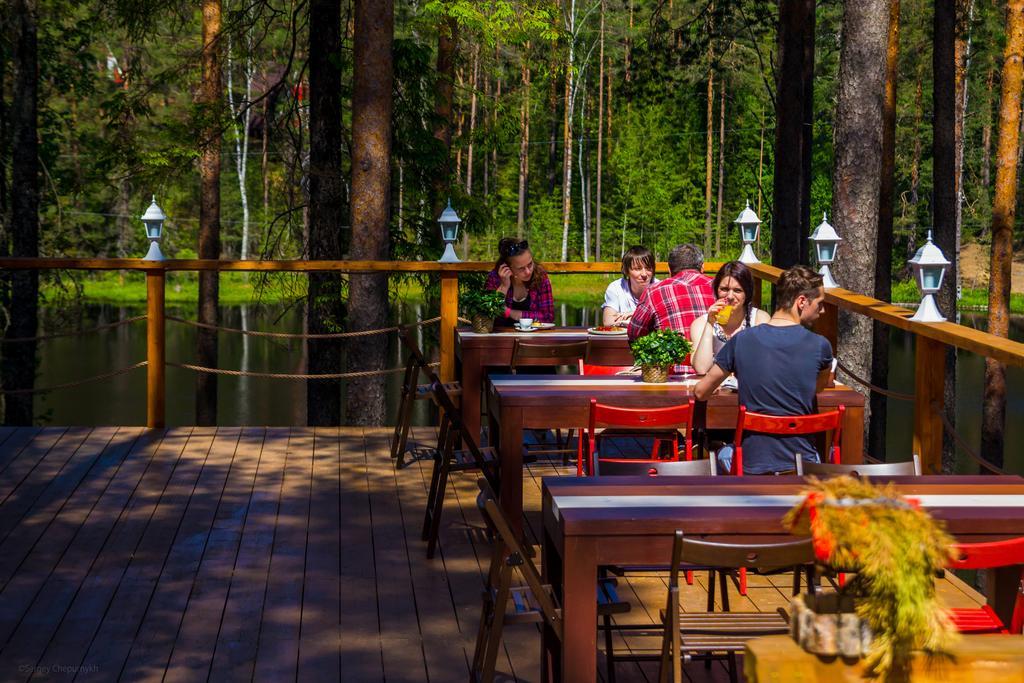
[210, 98]
[472, 122]
[524, 144]
[1003, 214]
[915, 167]
[858, 165]
[326, 210]
[265, 162]
[883, 264]
[721, 166]
[18, 362]
[760, 168]
[371, 203]
[986, 135]
[553, 120]
[611, 87]
[447, 43]
[600, 141]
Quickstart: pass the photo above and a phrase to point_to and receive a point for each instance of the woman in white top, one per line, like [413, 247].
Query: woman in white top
[622, 295]
[734, 286]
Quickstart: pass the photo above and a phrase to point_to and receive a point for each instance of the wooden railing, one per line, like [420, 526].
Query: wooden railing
[931, 338]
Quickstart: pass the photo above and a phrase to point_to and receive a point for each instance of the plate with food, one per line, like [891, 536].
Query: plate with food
[542, 326]
[609, 330]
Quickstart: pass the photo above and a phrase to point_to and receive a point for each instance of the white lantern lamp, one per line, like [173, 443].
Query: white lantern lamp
[749, 225]
[154, 219]
[826, 241]
[449, 221]
[929, 267]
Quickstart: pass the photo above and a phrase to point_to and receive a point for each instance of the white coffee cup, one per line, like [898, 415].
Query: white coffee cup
[525, 323]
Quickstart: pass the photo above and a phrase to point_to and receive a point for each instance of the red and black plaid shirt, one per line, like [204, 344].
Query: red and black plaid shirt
[540, 301]
[672, 304]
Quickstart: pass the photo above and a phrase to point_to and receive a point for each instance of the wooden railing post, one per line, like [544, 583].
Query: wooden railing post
[155, 350]
[449, 319]
[929, 384]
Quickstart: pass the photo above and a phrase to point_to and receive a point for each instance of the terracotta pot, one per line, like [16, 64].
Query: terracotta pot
[654, 373]
[482, 324]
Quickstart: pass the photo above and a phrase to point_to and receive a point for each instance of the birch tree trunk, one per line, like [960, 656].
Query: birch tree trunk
[372, 106]
[721, 166]
[1003, 214]
[600, 141]
[209, 96]
[858, 164]
[472, 122]
[709, 150]
[524, 144]
[241, 137]
[567, 130]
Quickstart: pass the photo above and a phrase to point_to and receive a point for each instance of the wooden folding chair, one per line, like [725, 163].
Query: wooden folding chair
[989, 556]
[412, 391]
[448, 458]
[529, 601]
[721, 635]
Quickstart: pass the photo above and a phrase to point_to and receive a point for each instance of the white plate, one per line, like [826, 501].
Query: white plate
[516, 328]
[607, 333]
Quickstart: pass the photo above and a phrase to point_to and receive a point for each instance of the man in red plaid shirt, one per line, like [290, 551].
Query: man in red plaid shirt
[676, 302]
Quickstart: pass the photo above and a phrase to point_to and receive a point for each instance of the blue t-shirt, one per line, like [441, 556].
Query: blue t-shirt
[777, 371]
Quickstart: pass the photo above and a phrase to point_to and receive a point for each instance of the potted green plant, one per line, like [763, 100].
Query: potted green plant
[482, 307]
[657, 352]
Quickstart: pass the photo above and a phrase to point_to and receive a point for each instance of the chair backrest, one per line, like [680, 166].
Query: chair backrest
[759, 556]
[587, 369]
[563, 353]
[992, 554]
[405, 334]
[787, 425]
[672, 417]
[655, 468]
[873, 469]
[456, 429]
[510, 552]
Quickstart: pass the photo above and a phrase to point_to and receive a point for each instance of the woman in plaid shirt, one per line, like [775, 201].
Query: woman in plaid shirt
[524, 283]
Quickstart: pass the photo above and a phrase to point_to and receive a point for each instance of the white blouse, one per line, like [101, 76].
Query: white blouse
[619, 297]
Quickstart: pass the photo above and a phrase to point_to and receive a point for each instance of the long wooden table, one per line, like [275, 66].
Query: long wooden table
[631, 520]
[518, 402]
[475, 353]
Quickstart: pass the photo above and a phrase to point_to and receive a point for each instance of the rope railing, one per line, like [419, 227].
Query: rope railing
[76, 333]
[873, 387]
[963, 444]
[288, 375]
[297, 335]
[75, 383]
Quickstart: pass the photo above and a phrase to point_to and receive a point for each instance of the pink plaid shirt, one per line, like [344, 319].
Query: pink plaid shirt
[540, 301]
[672, 304]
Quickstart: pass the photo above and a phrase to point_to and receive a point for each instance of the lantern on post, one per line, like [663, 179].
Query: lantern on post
[154, 220]
[826, 241]
[930, 266]
[449, 222]
[749, 225]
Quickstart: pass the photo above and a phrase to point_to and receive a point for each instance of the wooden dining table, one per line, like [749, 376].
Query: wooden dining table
[475, 353]
[518, 402]
[591, 522]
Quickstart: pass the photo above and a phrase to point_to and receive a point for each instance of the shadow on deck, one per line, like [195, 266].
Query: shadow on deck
[254, 554]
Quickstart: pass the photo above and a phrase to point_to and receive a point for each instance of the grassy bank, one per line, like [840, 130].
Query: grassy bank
[577, 289]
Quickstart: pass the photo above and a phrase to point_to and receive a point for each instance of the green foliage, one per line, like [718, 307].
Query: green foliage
[660, 348]
[480, 302]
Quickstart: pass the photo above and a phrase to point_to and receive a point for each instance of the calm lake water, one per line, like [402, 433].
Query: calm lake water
[254, 401]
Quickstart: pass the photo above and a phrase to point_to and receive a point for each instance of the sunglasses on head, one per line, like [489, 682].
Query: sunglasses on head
[516, 248]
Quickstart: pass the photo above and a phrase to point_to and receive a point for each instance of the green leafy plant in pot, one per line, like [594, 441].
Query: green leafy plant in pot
[657, 352]
[482, 307]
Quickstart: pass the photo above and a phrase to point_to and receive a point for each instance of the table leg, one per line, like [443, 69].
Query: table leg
[852, 442]
[551, 644]
[510, 454]
[579, 610]
[472, 375]
[1001, 586]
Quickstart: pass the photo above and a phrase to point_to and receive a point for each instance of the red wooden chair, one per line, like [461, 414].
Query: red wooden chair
[644, 421]
[787, 425]
[988, 556]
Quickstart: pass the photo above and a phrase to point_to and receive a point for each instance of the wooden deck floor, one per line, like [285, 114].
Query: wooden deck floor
[265, 554]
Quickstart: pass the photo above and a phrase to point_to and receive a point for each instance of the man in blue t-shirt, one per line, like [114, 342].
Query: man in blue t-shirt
[780, 366]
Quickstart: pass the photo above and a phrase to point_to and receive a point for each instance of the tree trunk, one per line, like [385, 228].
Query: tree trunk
[371, 202]
[210, 98]
[986, 135]
[1003, 212]
[18, 365]
[760, 168]
[581, 162]
[792, 92]
[629, 43]
[567, 132]
[883, 264]
[944, 185]
[265, 163]
[524, 144]
[600, 141]
[447, 43]
[915, 166]
[553, 120]
[721, 166]
[326, 210]
[807, 133]
[962, 52]
[858, 164]
[710, 146]
[611, 87]
[472, 122]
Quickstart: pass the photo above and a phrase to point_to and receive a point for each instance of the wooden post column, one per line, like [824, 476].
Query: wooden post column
[929, 382]
[155, 350]
[449, 319]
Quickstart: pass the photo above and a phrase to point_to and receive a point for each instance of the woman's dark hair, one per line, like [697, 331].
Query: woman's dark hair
[744, 277]
[637, 255]
[512, 246]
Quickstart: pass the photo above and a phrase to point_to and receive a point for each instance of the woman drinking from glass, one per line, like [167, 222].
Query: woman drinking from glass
[524, 283]
[732, 312]
[622, 295]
